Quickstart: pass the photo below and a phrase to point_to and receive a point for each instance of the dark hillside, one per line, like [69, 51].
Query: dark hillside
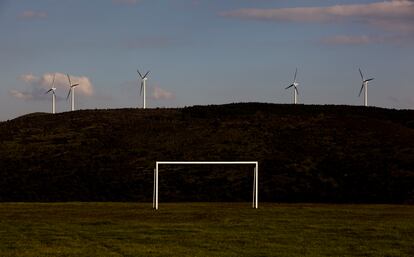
[306, 153]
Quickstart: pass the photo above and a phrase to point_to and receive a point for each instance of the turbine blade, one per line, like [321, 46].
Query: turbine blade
[296, 72]
[48, 91]
[70, 83]
[67, 97]
[53, 81]
[297, 91]
[146, 74]
[360, 91]
[362, 76]
[142, 85]
[369, 79]
[289, 86]
[75, 85]
[140, 74]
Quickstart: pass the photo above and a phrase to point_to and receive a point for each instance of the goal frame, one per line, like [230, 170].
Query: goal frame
[255, 176]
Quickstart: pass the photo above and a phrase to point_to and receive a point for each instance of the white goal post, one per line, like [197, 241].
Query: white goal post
[255, 176]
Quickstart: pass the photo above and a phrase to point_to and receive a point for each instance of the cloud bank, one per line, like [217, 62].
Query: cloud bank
[37, 86]
[393, 16]
[30, 14]
[161, 94]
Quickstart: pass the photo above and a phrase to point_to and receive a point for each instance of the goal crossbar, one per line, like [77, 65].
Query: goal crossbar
[255, 175]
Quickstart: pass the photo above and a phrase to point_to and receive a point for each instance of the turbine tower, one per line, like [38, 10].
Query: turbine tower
[295, 87]
[143, 87]
[71, 92]
[364, 87]
[53, 89]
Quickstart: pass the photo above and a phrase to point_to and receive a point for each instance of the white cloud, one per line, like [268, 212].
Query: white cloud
[161, 94]
[37, 86]
[30, 14]
[20, 95]
[28, 78]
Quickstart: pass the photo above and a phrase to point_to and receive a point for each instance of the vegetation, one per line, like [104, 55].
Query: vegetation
[306, 153]
[120, 229]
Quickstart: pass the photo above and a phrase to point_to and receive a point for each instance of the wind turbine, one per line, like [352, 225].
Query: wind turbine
[295, 87]
[143, 87]
[364, 87]
[71, 92]
[53, 89]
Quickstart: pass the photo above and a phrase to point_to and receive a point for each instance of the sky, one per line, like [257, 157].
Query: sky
[202, 52]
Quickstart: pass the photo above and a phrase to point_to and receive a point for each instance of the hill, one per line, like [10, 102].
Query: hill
[306, 153]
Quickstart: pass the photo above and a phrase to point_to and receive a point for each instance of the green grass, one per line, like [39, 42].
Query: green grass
[205, 229]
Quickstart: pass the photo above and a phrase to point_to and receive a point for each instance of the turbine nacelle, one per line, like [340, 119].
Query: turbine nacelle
[71, 87]
[53, 89]
[70, 82]
[364, 82]
[294, 83]
[145, 75]
[144, 79]
[362, 77]
[295, 87]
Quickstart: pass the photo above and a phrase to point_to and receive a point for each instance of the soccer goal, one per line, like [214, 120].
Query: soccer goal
[255, 176]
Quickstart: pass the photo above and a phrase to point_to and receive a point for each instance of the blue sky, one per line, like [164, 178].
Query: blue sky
[204, 52]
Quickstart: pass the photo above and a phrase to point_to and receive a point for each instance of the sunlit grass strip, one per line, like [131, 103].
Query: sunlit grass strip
[205, 229]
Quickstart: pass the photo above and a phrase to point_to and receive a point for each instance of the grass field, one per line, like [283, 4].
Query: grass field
[201, 229]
